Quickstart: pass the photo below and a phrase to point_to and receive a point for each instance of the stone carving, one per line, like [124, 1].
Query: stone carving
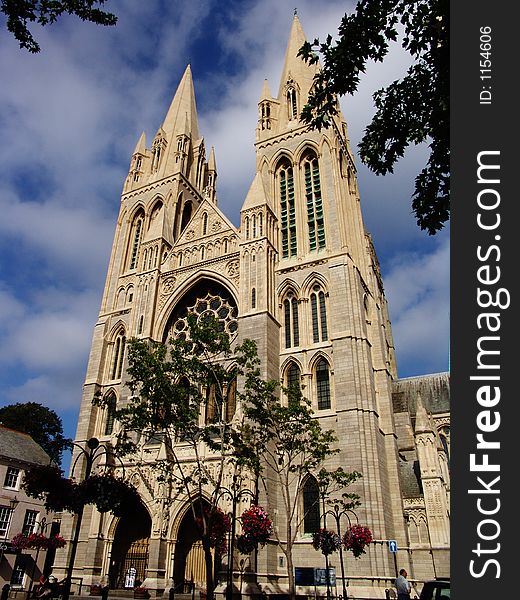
[233, 268]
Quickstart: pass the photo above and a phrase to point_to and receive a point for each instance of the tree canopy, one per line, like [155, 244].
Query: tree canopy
[41, 423]
[20, 13]
[410, 110]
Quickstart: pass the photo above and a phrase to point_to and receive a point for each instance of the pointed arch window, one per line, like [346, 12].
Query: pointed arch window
[292, 104]
[205, 223]
[110, 414]
[311, 506]
[319, 315]
[323, 385]
[293, 375]
[315, 221]
[135, 240]
[287, 210]
[186, 215]
[291, 324]
[118, 356]
[231, 398]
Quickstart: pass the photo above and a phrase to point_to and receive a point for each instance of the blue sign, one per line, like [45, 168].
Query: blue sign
[392, 545]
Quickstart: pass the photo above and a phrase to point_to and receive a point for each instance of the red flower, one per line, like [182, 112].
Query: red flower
[356, 538]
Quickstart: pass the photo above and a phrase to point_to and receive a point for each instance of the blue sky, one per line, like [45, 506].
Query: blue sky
[69, 120]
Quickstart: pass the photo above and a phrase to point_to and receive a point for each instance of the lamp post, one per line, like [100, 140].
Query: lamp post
[234, 494]
[336, 512]
[90, 454]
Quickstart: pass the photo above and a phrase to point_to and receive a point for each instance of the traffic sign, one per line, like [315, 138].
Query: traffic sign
[392, 545]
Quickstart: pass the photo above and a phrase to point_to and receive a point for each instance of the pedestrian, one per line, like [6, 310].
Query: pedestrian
[403, 586]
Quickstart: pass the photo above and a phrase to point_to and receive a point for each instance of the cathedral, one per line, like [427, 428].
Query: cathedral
[300, 277]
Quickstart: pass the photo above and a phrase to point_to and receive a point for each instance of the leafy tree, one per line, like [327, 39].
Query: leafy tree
[41, 423]
[411, 110]
[20, 13]
[286, 444]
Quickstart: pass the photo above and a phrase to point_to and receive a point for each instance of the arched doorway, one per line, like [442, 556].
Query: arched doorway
[189, 566]
[129, 558]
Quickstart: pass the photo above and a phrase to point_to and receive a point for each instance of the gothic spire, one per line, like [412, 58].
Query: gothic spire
[182, 113]
[294, 67]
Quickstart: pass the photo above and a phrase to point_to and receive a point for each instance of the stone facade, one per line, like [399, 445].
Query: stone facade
[303, 278]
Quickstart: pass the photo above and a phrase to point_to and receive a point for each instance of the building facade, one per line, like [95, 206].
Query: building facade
[300, 276]
[19, 513]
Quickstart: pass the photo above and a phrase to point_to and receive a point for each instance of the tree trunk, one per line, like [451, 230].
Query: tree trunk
[210, 582]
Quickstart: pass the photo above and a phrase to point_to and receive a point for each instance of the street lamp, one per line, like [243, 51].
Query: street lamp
[235, 495]
[336, 512]
[90, 454]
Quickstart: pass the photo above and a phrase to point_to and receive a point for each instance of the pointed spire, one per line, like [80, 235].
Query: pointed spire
[266, 92]
[182, 114]
[256, 196]
[212, 163]
[140, 147]
[294, 66]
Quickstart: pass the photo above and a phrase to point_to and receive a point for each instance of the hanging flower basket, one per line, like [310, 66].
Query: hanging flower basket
[326, 540]
[37, 541]
[108, 493]
[219, 526]
[256, 524]
[356, 538]
[245, 544]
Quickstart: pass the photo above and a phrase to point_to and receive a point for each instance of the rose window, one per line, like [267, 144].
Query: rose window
[209, 307]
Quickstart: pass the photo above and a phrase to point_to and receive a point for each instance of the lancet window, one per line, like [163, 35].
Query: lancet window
[118, 355]
[319, 315]
[315, 220]
[287, 210]
[135, 239]
[311, 506]
[323, 384]
[291, 322]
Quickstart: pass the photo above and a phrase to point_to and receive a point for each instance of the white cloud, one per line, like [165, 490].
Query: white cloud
[417, 290]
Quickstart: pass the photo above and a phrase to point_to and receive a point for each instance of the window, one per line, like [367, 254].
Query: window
[214, 402]
[110, 416]
[5, 519]
[29, 522]
[231, 398]
[287, 210]
[136, 240]
[291, 326]
[204, 223]
[186, 215]
[319, 315]
[314, 203]
[253, 298]
[292, 106]
[11, 477]
[323, 385]
[293, 375]
[20, 567]
[118, 356]
[311, 506]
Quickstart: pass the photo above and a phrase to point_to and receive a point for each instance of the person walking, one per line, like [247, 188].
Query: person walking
[402, 585]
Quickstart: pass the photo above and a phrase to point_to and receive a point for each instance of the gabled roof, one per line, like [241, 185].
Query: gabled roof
[20, 447]
[215, 216]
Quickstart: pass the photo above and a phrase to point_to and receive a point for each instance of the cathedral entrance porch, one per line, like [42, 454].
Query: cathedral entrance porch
[130, 549]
